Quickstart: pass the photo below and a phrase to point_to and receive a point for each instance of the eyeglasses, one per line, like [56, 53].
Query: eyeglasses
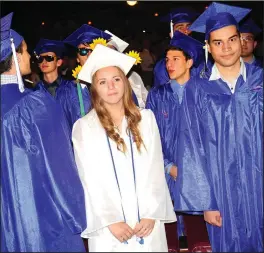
[247, 39]
[84, 51]
[48, 58]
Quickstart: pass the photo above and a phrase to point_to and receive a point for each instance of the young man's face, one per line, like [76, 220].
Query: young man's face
[225, 46]
[24, 60]
[83, 53]
[176, 64]
[49, 62]
[182, 27]
[248, 44]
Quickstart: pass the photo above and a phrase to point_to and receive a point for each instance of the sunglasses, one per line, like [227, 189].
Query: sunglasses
[48, 58]
[84, 51]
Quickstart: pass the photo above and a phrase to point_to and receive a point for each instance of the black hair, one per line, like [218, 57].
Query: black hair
[87, 44]
[169, 48]
[6, 64]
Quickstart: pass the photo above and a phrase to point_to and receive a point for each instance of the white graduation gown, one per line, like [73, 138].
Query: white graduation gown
[139, 88]
[102, 197]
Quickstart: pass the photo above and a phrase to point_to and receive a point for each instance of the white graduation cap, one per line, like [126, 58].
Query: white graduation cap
[102, 57]
[119, 44]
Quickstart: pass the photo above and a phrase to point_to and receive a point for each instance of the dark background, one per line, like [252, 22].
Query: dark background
[62, 17]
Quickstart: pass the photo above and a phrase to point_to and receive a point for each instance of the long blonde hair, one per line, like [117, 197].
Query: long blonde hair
[132, 114]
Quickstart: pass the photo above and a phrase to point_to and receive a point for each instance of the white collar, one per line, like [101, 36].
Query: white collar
[215, 75]
[6, 79]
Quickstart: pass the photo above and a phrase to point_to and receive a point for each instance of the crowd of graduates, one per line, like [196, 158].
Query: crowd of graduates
[188, 128]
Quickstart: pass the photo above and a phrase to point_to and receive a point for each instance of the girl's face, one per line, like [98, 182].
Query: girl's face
[109, 85]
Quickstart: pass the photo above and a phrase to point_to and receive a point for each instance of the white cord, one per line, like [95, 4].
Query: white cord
[19, 78]
[171, 28]
[205, 47]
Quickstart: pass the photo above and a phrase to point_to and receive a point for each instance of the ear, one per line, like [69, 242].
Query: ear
[255, 44]
[59, 62]
[77, 60]
[189, 63]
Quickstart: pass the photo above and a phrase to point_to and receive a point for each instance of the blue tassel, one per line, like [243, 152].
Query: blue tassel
[140, 240]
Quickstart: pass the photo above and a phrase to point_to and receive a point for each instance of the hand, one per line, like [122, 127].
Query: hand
[144, 228]
[213, 218]
[174, 172]
[121, 231]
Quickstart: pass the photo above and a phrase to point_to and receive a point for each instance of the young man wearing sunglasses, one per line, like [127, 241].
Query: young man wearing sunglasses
[81, 40]
[49, 55]
[83, 53]
[41, 194]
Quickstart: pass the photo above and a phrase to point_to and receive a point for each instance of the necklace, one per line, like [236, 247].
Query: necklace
[117, 126]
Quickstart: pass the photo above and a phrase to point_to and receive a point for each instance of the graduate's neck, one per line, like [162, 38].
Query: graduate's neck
[229, 73]
[116, 111]
[50, 77]
[248, 59]
[183, 78]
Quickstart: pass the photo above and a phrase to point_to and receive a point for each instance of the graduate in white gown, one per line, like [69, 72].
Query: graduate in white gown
[119, 158]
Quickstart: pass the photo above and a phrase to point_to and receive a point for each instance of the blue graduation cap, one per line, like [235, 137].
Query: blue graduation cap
[85, 34]
[217, 16]
[10, 40]
[249, 26]
[45, 45]
[180, 15]
[6, 35]
[189, 45]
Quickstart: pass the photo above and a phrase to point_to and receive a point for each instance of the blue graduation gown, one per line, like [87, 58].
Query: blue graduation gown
[161, 75]
[258, 62]
[67, 95]
[42, 199]
[169, 113]
[220, 160]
